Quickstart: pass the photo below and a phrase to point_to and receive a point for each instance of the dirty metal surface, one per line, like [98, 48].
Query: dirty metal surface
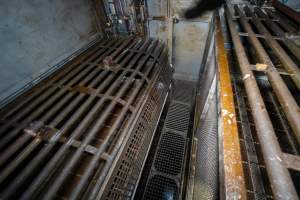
[85, 131]
[272, 99]
[232, 174]
[166, 173]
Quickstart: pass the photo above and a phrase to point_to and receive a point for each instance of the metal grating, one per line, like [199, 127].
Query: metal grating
[169, 158]
[206, 168]
[170, 154]
[161, 188]
[183, 93]
[252, 164]
[137, 147]
[178, 117]
[268, 59]
[84, 132]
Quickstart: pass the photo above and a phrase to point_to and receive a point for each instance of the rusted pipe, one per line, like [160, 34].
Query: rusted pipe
[284, 21]
[282, 92]
[280, 179]
[10, 109]
[51, 165]
[160, 55]
[45, 118]
[93, 115]
[279, 32]
[55, 186]
[287, 62]
[49, 97]
[50, 146]
[287, 10]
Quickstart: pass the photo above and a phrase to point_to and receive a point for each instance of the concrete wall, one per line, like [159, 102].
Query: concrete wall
[37, 34]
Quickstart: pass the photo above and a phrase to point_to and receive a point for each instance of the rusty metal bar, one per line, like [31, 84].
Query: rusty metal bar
[37, 112]
[50, 96]
[287, 62]
[95, 112]
[292, 161]
[287, 10]
[289, 133]
[71, 121]
[37, 141]
[159, 52]
[258, 36]
[260, 14]
[282, 92]
[233, 178]
[280, 71]
[279, 32]
[49, 147]
[280, 179]
[55, 186]
[250, 158]
[262, 19]
[283, 21]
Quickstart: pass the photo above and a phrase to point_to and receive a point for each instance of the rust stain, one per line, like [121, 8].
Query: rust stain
[234, 180]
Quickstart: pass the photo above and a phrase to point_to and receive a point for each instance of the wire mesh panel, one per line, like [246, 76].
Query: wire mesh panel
[206, 169]
[84, 131]
[167, 170]
[179, 117]
[161, 187]
[170, 154]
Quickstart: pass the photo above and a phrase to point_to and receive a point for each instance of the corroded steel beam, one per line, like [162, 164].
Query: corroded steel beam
[232, 176]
